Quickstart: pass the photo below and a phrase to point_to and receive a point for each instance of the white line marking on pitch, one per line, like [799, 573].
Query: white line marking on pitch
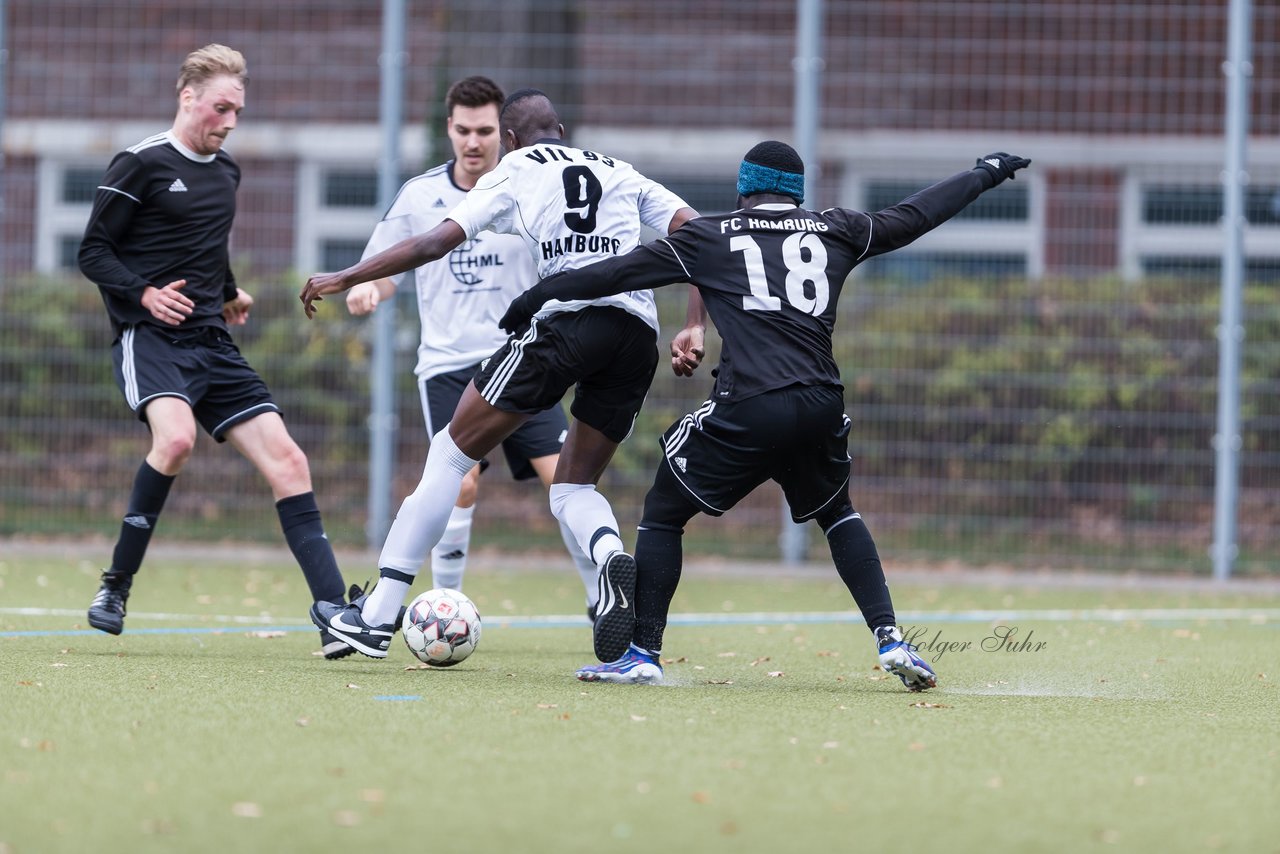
[1106, 615]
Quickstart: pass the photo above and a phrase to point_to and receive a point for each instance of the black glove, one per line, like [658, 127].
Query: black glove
[1002, 165]
[521, 311]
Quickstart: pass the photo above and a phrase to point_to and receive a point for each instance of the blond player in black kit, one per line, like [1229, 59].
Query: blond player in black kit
[156, 247]
[770, 275]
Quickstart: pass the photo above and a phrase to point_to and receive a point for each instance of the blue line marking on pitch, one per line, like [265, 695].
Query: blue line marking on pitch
[398, 697]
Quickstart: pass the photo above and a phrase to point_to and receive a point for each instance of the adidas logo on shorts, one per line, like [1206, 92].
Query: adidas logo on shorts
[681, 463]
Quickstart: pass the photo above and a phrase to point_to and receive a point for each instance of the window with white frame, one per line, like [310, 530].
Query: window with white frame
[1176, 229]
[338, 208]
[64, 199]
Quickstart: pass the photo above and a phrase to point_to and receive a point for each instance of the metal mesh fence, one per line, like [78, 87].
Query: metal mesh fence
[1035, 383]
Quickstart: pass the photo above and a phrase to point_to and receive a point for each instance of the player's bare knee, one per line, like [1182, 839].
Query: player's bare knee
[171, 451]
[289, 471]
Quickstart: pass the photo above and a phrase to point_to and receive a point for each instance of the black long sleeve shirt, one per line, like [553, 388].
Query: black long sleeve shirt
[163, 213]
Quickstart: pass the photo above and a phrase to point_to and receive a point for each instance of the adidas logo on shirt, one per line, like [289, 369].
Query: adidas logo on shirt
[439, 204]
[682, 463]
[177, 186]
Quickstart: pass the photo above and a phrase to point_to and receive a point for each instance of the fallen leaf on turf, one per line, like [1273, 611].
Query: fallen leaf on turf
[923, 705]
[59, 664]
[352, 685]
[775, 673]
[45, 746]
[916, 746]
[638, 718]
[725, 654]
[995, 783]
[827, 653]
[719, 681]
[681, 660]
[346, 818]
[303, 721]
[759, 661]
[830, 745]
[547, 706]
[246, 809]
[701, 798]
[420, 667]
[267, 635]
[150, 826]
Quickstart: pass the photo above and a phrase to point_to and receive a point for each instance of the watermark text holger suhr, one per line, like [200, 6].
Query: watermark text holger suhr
[999, 639]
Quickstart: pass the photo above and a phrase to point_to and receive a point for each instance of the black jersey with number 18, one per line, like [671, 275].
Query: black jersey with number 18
[771, 276]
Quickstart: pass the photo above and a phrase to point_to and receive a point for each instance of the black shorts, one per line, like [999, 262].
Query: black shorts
[797, 436]
[202, 366]
[606, 354]
[540, 436]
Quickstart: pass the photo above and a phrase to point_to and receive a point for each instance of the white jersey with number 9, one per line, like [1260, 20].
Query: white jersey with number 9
[572, 207]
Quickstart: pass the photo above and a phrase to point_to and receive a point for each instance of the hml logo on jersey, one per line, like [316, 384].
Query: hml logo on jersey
[466, 262]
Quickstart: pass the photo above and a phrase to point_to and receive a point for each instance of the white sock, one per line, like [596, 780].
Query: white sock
[449, 557]
[383, 604]
[587, 569]
[420, 522]
[589, 517]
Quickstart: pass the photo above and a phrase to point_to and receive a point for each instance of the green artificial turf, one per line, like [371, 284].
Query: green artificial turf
[194, 733]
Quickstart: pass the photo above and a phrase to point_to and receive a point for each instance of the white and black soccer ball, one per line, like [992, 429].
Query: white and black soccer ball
[441, 627]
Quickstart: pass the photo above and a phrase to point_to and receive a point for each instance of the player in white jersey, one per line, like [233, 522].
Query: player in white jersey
[571, 207]
[459, 301]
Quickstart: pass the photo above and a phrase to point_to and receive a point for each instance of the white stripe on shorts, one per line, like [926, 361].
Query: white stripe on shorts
[129, 369]
[687, 424]
[502, 374]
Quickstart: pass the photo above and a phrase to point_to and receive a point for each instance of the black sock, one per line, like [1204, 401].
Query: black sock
[858, 563]
[303, 530]
[659, 562]
[659, 556]
[150, 489]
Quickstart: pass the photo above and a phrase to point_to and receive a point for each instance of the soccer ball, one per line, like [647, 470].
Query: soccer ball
[441, 627]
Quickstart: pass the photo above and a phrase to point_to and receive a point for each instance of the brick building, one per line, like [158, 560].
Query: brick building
[1121, 107]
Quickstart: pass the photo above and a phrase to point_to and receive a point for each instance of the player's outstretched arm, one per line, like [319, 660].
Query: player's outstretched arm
[920, 213]
[406, 255]
[648, 266]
